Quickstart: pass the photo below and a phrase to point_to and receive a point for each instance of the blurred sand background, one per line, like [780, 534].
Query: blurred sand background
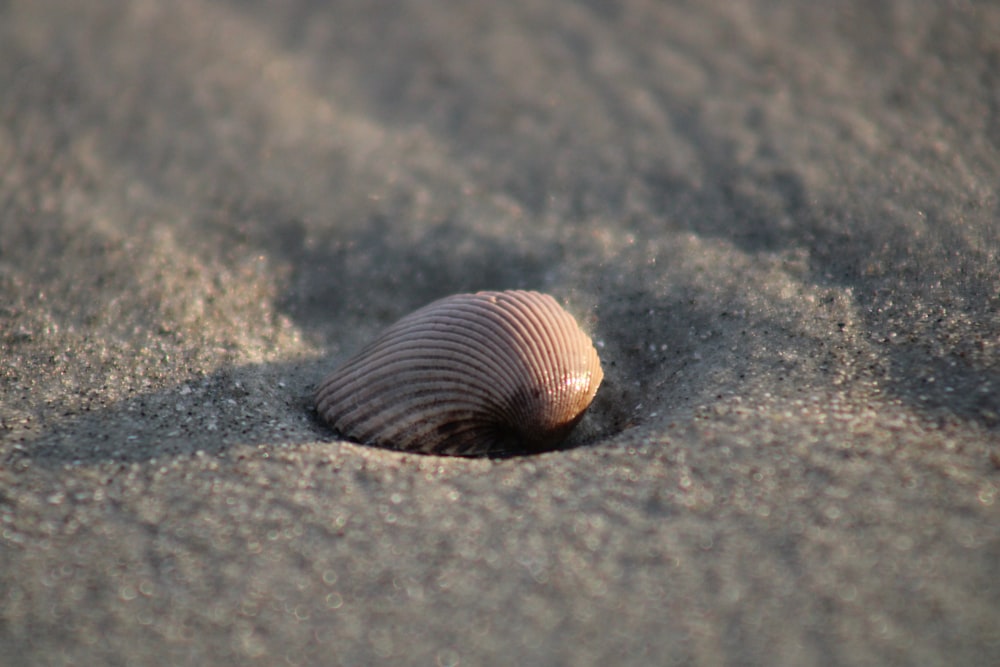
[780, 221]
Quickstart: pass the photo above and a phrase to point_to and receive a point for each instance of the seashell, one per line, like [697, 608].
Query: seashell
[469, 374]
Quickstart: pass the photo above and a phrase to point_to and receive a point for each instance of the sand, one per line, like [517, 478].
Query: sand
[779, 221]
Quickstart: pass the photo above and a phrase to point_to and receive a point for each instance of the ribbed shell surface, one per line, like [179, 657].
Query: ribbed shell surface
[470, 374]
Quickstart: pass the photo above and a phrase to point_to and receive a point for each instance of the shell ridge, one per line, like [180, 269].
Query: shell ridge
[389, 401]
[451, 358]
[399, 381]
[559, 367]
[540, 364]
[483, 328]
[568, 372]
[446, 349]
[515, 341]
[579, 355]
[520, 322]
[467, 374]
[410, 422]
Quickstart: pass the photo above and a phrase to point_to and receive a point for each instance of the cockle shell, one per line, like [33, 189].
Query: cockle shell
[470, 374]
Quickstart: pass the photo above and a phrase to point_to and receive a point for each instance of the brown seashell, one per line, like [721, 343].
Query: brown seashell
[470, 374]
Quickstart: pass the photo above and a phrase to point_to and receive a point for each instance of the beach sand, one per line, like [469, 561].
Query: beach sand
[778, 220]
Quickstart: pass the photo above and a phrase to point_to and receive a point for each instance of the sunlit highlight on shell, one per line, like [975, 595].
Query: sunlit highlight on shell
[470, 374]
